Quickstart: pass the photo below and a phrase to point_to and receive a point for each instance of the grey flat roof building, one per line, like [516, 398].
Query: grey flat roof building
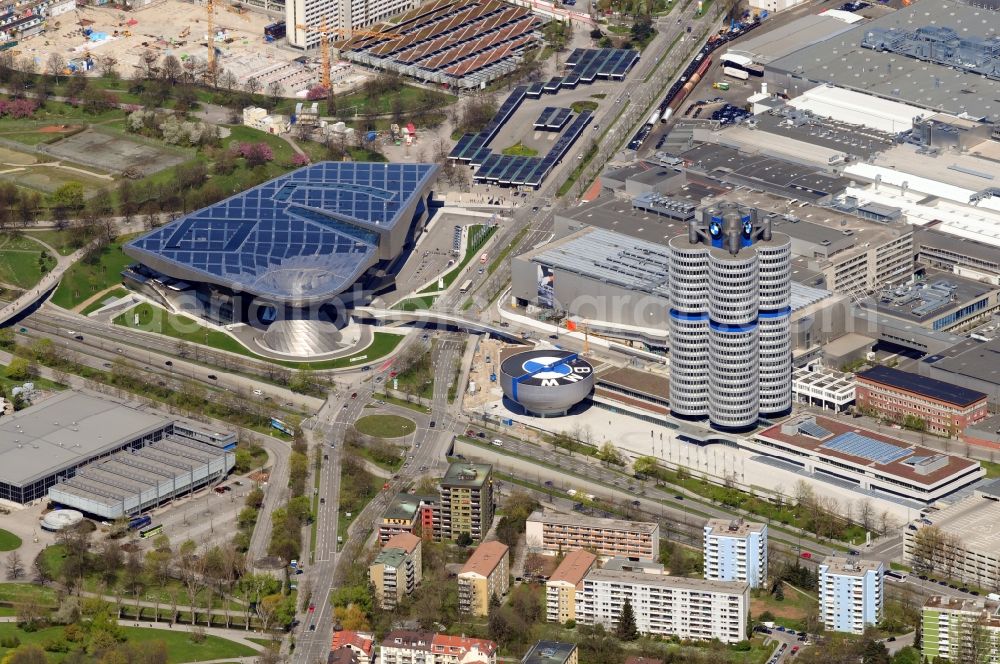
[52, 438]
[100, 453]
[842, 61]
[767, 46]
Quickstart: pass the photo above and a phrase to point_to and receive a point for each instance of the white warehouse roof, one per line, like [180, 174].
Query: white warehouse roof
[858, 108]
[846, 17]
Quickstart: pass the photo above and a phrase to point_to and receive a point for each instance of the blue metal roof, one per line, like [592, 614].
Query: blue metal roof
[928, 387]
[308, 234]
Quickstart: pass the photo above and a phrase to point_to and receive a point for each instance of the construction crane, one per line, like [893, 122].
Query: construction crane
[324, 44]
[210, 16]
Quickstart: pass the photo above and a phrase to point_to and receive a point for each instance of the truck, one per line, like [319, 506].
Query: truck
[721, 85]
[736, 73]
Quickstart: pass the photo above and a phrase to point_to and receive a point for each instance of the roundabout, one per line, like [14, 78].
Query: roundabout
[385, 426]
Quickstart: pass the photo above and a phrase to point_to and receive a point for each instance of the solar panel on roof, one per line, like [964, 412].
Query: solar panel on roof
[858, 445]
[535, 90]
[810, 428]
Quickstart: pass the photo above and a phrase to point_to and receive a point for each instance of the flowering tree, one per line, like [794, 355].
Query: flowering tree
[316, 93]
[300, 160]
[255, 153]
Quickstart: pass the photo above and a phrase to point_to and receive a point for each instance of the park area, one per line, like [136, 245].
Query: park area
[22, 261]
[385, 426]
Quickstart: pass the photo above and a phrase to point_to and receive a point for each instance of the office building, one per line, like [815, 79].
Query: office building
[397, 569]
[339, 17]
[731, 356]
[410, 513]
[485, 575]
[552, 533]
[736, 550]
[552, 652]
[871, 460]
[904, 397]
[467, 501]
[941, 302]
[960, 541]
[850, 593]
[565, 582]
[959, 629]
[666, 605]
[403, 646]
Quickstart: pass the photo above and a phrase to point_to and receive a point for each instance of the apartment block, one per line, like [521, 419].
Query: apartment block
[466, 500]
[850, 593]
[666, 605]
[565, 582]
[411, 513]
[945, 409]
[961, 630]
[485, 574]
[552, 652]
[396, 571]
[736, 551]
[403, 646]
[554, 533]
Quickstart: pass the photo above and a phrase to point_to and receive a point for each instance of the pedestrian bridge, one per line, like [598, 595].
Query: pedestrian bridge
[436, 318]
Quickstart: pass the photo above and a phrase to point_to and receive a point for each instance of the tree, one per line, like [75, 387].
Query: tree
[908, 655]
[70, 196]
[646, 465]
[610, 455]
[352, 617]
[464, 539]
[26, 654]
[625, 628]
[779, 591]
[41, 568]
[15, 566]
[55, 65]
[874, 652]
[20, 369]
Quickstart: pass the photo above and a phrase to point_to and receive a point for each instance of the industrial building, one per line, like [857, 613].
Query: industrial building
[871, 461]
[940, 302]
[736, 550]
[945, 409]
[960, 541]
[561, 588]
[851, 593]
[666, 605]
[467, 501]
[959, 629]
[456, 43]
[969, 363]
[285, 252]
[486, 574]
[551, 533]
[891, 57]
[397, 569]
[104, 458]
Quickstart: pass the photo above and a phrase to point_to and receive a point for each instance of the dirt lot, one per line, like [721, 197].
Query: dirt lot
[168, 27]
[115, 153]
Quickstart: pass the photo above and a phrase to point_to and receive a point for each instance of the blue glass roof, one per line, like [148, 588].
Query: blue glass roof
[308, 234]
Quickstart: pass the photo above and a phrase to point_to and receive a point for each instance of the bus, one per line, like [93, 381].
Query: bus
[465, 286]
[152, 531]
[138, 522]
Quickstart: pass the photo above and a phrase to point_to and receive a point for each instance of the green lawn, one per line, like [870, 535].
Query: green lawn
[40, 383]
[99, 302]
[402, 402]
[789, 612]
[87, 277]
[409, 97]
[19, 261]
[471, 249]
[18, 592]
[498, 261]
[581, 106]
[179, 646]
[992, 468]
[8, 540]
[385, 426]
[178, 326]
[521, 150]
[61, 241]
[416, 303]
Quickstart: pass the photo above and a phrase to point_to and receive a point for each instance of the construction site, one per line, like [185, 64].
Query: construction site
[170, 27]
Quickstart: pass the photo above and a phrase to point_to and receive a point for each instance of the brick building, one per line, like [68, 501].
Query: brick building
[945, 409]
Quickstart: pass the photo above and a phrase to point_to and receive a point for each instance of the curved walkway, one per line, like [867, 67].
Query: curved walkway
[48, 283]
